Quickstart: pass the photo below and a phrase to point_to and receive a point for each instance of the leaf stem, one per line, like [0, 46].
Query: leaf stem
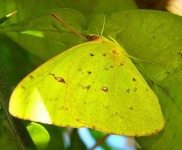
[100, 141]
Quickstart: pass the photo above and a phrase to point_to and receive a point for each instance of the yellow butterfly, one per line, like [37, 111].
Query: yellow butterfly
[92, 85]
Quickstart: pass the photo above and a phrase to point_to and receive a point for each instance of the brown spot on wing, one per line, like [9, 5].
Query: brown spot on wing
[30, 76]
[89, 72]
[131, 108]
[23, 87]
[114, 52]
[134, 79]
[122, 63]
[135, 89]
[59, 79]
[105, 89]
[86, 87]
[128, 90]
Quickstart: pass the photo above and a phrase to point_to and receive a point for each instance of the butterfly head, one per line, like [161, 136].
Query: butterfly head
[92, 37]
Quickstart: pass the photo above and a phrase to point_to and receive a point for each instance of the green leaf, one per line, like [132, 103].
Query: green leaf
[148, 37]
[158, 41]
[7, 140]
[48, 27]
[10, 52]
[76, 142]
[39, 135]
[57, 137]
[87, 7]
[3, 19]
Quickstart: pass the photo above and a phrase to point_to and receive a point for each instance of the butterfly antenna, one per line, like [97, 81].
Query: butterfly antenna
[121, 28]
[104, 21]
[67, 25]
[97, 30]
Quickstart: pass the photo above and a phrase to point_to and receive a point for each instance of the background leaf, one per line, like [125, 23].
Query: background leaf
[152, 36]
[149, 38]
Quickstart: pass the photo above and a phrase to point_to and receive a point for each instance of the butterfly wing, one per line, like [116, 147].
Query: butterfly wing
[93, 85]
[108, 93]
[41, 96]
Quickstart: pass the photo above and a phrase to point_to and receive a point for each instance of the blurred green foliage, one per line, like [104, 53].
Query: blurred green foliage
[153, 36]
